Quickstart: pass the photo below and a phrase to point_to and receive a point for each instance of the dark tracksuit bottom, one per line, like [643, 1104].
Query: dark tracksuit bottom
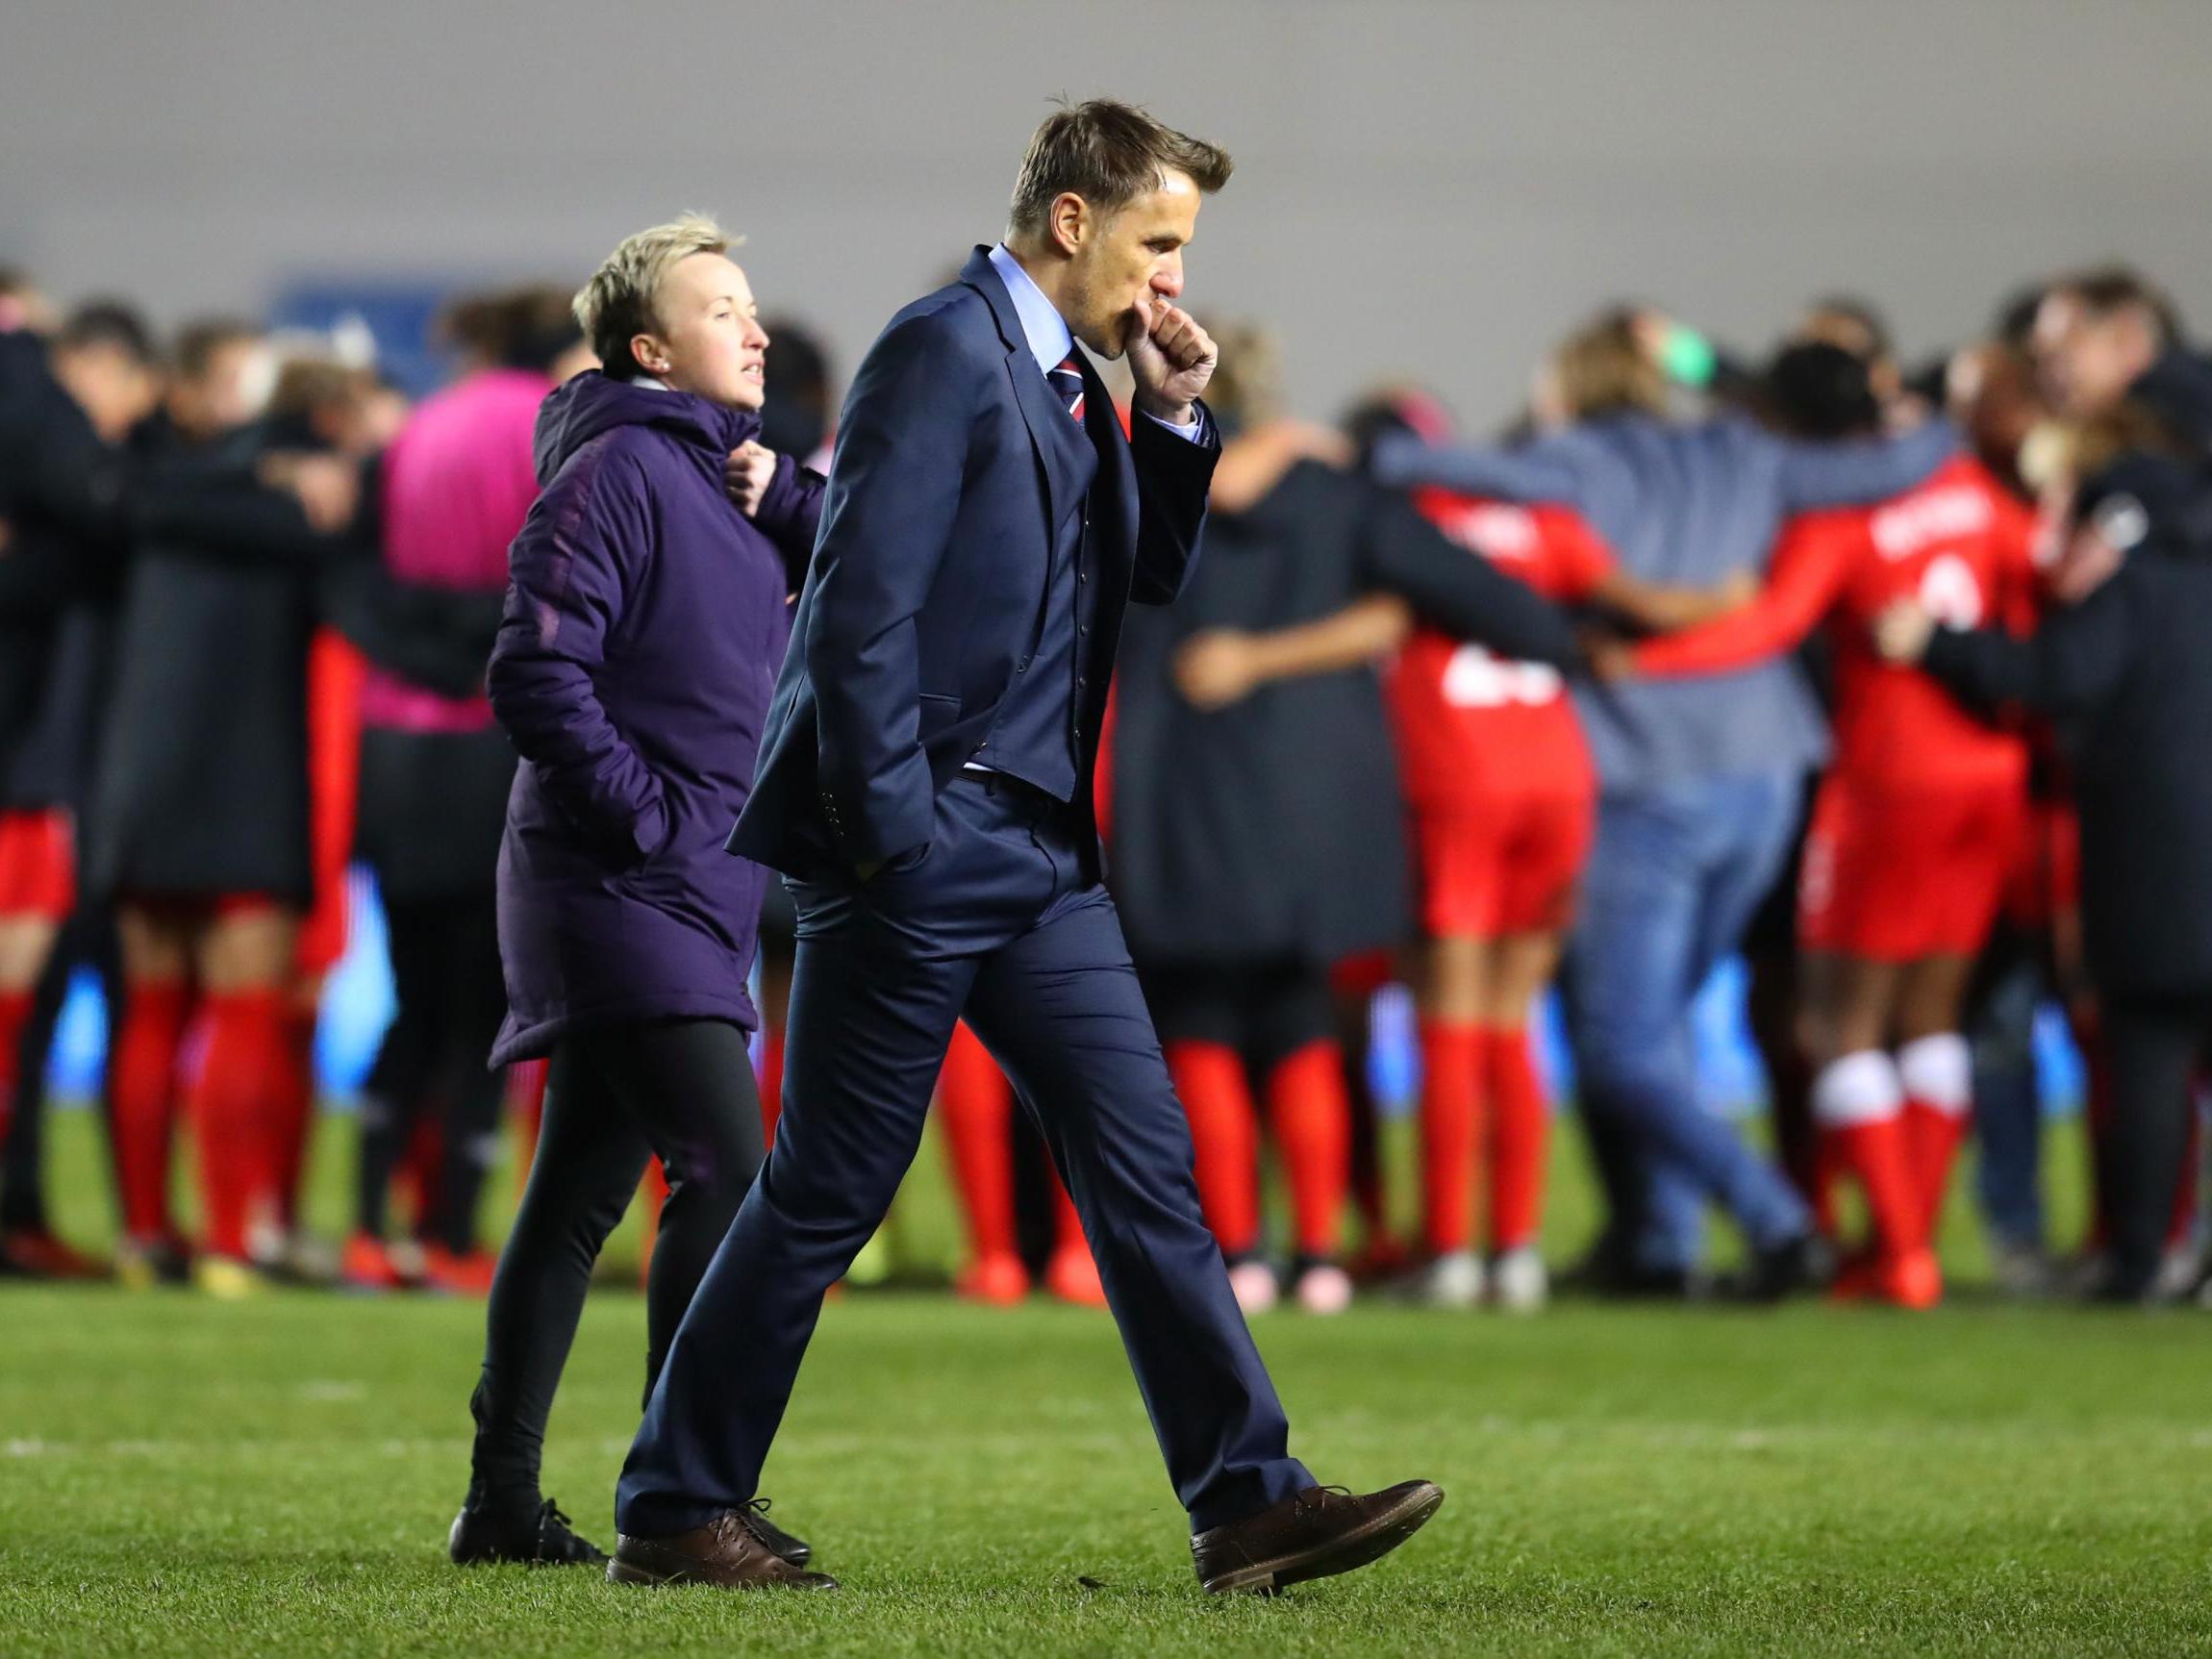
[682, 1089]
[2153, 1048]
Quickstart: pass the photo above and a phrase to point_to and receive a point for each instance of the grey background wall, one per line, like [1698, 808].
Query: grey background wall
[1428, 187]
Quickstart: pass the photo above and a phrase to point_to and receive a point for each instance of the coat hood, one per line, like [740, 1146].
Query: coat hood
[582, 409]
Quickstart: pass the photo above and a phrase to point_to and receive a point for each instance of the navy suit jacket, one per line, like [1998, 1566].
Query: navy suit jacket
[952, 469]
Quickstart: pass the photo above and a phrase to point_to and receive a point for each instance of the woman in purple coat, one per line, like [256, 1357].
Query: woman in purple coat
[645, 622]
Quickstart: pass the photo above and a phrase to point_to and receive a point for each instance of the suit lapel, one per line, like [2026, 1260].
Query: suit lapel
[1058, 443]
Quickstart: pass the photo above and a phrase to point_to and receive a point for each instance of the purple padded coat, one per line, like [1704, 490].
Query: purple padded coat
[645, 622]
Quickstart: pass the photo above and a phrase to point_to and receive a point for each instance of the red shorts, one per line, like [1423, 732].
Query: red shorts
[1897, 875]
[37, 863]
[1504, 866]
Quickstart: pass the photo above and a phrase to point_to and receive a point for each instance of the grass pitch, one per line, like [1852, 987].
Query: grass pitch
[275, 1477]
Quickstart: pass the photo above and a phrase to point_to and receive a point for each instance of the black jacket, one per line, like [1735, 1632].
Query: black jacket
[2129, 672]
[1275, 829]
[57, 582]
[202, 785]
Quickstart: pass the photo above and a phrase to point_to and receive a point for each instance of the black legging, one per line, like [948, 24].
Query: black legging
[682, 1088]
[2152, 1047]
[445, 978]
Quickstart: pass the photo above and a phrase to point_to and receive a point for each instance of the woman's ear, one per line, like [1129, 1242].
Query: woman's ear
[650, 354]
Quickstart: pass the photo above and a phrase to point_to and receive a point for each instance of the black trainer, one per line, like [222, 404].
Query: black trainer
[1782, 1271]
[540, 1538]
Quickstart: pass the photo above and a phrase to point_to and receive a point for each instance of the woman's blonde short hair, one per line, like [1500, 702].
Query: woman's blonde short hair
[1602, 369]
[616, 305]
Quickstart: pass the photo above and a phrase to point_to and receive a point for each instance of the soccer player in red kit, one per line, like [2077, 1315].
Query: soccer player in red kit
[1502, 798]
[1915, 831]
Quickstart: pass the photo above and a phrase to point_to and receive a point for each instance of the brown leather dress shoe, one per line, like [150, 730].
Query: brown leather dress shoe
[1322, 1531]
[730, 1551]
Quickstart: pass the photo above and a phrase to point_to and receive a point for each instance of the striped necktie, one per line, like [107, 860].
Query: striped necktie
[1068, 381]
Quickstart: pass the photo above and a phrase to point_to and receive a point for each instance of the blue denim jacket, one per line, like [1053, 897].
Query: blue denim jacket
[1687, 505]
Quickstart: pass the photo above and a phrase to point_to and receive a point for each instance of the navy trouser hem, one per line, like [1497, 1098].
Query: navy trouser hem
[1244, 1500]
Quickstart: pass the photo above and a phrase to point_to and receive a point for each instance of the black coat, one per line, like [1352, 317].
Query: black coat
[1275, 829]
[202, 785]
[59, 495]
[2129, 670]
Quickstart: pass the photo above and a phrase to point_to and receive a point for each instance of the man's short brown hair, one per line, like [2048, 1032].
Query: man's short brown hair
[198, 343]
[2108, 290]
[1109, 154]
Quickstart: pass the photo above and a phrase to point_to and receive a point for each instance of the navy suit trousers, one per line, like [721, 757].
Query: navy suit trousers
[999, 919]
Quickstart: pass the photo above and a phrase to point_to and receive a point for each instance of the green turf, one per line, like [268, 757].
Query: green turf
[275, 1477]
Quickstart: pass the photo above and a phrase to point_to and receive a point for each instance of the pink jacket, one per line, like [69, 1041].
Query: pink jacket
[457, 483]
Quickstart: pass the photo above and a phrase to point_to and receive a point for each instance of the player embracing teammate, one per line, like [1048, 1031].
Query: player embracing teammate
[1502, 801]
[1914, 831]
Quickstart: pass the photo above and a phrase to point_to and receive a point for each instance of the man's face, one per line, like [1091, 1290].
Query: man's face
[1127, 263]
[710, 339]
[2086, 362]
[113, 388]
[228, 392]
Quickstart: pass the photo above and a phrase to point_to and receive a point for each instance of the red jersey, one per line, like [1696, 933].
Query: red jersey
[1960, 545]
[1473, 725]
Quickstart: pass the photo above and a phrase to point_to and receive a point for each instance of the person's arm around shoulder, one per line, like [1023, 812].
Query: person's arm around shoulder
[569, 571]
[1860, 472]
[2070, 665]
[1548, 469]
[1459, 590]
[894, 495]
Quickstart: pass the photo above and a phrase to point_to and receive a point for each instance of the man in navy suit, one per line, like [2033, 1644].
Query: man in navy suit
[926, 788]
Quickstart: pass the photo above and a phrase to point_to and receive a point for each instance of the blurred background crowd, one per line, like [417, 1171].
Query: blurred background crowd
[1866, 688]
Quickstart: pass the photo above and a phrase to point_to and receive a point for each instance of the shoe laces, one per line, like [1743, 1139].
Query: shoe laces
[1316, 1498]
[753, 1516]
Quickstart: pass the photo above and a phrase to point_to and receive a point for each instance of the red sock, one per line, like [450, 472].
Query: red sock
[977, 1107]
[294, 1121]
[771, 1082]
[1874, 1153]
[1938, 1077]
[143, 1104]
[1451, 1078]
[1312, 1118]
[234, 1102]
[652, 1194]
[2183, 1226]
[1209, 1079]
[15, 1015]
[1067, 1225]
[1520, 1125]
[1856, 1103]
[422, 1171]
[526, 1105]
